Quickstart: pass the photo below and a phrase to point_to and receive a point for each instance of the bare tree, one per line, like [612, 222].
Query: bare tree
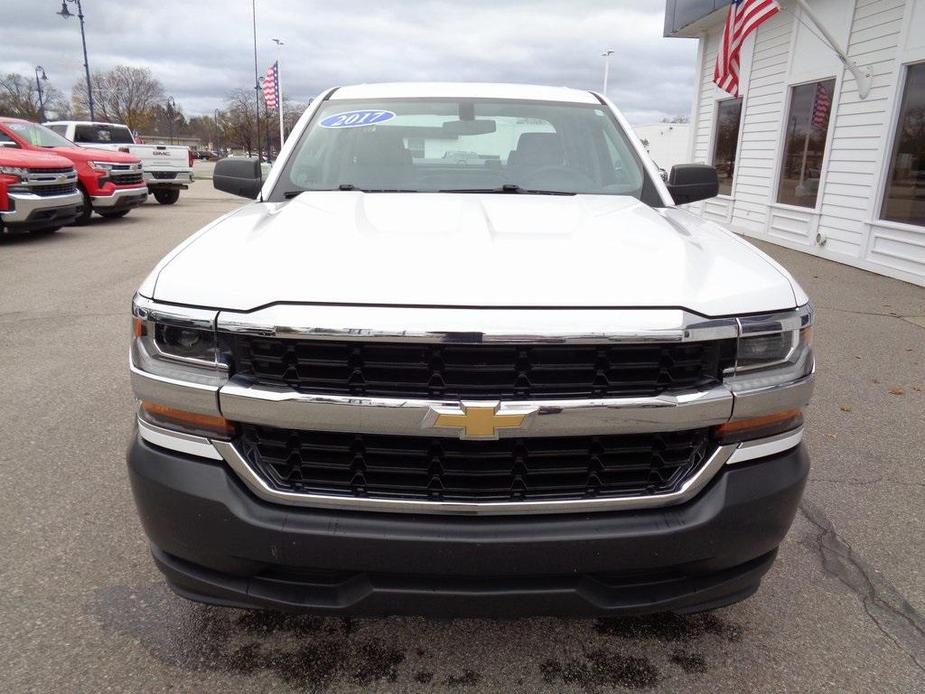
[240, 119]
[124, 94]
[19, 98]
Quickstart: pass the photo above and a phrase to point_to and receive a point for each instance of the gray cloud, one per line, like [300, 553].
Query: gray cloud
[201, 50]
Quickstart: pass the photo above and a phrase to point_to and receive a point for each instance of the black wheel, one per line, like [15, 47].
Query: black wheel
[167, 197]
[113, 214]
[85, 212]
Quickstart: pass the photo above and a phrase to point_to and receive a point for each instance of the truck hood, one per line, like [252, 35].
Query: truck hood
[32, 159]
[469, 250]
[79, 153]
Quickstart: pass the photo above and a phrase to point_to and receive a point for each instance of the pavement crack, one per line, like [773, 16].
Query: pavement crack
[890, 612]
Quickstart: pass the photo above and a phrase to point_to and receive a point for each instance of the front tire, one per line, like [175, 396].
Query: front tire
[85, 213]
[167, 197]
[113, 214]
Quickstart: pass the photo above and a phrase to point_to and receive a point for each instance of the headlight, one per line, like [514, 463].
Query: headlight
[177, 368]
[773, 350]
[18, 171]
[102, 165]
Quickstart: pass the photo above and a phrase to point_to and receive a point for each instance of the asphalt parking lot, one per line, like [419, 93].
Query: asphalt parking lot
[82, 608]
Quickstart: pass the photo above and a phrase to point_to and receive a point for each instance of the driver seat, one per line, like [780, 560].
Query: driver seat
[537, 149]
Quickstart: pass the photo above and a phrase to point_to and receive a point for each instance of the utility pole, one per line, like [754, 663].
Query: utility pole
[38, 85]
[279, 82]
[65, 14]
[606, 55]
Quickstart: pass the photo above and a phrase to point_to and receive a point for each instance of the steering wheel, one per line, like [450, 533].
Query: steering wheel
[579, 178]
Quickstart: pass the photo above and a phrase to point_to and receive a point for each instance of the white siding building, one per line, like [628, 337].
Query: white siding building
[844, 181]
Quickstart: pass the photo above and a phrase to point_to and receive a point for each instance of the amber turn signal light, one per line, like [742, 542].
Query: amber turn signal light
[187, 421]
[758, 427]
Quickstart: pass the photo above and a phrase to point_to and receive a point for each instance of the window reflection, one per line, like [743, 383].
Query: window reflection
[728, 117]
[804, 146]
[905, 193]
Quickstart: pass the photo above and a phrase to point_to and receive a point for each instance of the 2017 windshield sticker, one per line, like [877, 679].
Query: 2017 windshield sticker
[356, 119]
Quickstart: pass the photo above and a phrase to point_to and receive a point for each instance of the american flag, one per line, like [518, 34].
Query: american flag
[822, 104]
[744, 17]
[271, 86]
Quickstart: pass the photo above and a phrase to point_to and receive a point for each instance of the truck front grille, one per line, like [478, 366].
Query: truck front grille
[126, 178]
[57, 189]
[163, 175]
[487, 371]
[446, 469]
[66, 170]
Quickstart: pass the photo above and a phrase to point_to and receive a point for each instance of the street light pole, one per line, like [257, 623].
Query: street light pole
[606, 55]
[38, 86]
[257, 87]
[83, 38]
[279, 82]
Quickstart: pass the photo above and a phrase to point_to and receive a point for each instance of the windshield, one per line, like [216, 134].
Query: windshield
[39, 135]
[96, 134]
[431, 145]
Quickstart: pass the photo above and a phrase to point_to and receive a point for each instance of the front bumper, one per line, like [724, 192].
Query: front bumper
[31, 211]
[178, 179]
[217, 542]
[120, 199]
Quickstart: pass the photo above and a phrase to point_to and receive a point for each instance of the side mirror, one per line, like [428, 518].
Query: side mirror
[692, 182]
[238, 177]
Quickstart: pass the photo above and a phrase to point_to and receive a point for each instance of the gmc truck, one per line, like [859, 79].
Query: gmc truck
[396, 384]
[38, 191]
[168, 169]
[110, 183]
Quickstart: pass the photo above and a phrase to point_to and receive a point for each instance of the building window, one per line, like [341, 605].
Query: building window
[905, 193]
[804, 147]
[728, 117]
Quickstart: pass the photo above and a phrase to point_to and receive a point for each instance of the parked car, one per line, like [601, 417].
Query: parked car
[38, 191]
[111, 183]
[168, 169]
[388, 386]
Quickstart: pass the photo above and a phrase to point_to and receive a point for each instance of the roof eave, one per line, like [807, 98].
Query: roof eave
[698, 27]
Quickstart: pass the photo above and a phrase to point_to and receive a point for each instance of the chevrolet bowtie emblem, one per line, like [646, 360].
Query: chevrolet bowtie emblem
[478, 420]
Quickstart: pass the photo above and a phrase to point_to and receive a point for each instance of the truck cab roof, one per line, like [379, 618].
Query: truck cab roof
[474, 90]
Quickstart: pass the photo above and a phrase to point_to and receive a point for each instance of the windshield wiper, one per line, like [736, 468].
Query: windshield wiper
[288, 195]
[507, 189]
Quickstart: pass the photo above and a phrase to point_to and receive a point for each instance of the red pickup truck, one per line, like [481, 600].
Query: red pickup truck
[111, 183]
[38, 191]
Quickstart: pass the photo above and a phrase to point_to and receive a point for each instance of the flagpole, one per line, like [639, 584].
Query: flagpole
[279, 83]
[862, 75]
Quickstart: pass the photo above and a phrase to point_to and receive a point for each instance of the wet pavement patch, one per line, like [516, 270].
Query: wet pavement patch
[305, 652]
[468, 678]
[691, 663]
[600, 668]
[669, 627]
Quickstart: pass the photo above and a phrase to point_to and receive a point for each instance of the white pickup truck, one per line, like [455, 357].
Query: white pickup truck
[523, 381]
[168, 169]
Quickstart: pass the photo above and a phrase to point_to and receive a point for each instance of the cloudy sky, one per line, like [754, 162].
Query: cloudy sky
[201, 49]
